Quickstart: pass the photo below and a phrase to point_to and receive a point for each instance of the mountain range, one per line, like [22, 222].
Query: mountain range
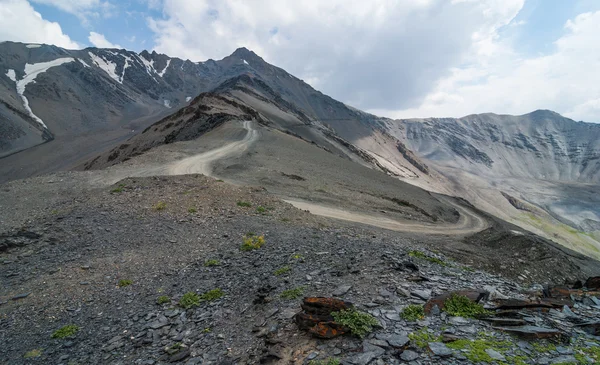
[94, 108]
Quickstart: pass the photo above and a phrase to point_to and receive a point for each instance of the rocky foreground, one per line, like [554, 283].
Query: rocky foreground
[192, 270]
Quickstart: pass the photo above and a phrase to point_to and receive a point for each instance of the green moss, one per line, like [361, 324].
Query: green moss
[119, 189]
[189, 300]
[261, 210]
[475, 349]
[543, 346]
[66, 331]
[209, 263]
[421, 255]
[413, 313]
[192, 210]
[244, 204]
[297, 256]
[283, 270]
[124, 282]
[461, 306]
[206, 330]
[33, 353]
[163, 299]
[592, 352]
[331, 361]
[292, 293]
[517, 360]
[359, 323]
[423, 337]
[160, 206]
[211, 295]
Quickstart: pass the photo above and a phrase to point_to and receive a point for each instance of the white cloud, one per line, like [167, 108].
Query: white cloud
[372, 54]
[83, 9]
[98, 40]
[21, 23]
[565, 80]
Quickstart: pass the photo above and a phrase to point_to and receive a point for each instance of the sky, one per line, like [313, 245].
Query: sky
[393, 58]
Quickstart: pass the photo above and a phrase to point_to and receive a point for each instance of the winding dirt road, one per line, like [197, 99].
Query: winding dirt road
[469, 221]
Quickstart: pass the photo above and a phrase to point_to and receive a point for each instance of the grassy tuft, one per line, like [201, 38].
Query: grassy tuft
[209, 263]
[33, 353]
[252, 242]
[119, 189]
[413, 313]
[282, 270]
[160, 206]
[244, 204]
[359, 323]
[461, 306]
[423, 337]
[66, 331]
[292, 293]
[421, 255]
[124, 282]
[189, 300]
[261, 210]
[163, 299]
[211, 295]
[192, 210]
[474, 350]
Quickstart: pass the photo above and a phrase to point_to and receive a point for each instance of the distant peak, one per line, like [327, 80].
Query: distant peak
[244, 53]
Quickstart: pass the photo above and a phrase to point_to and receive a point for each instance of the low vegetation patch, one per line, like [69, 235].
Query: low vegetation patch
[475, 349]
[163, 299]
[282, 271]
[211, 295]
[359, 323]
[189, 300]
[423, 337]
[252, 242]
[331, 361]
[413, 313]
[209, 263]
[124, 282]
[119, 189]
[421, 255]
[33, 354]
[583, 354]
[66, 331]
[292, 293]
[461, 306]
[192, 210]
[244, 204]
[297, 256]
[261, 210]
[160, 206]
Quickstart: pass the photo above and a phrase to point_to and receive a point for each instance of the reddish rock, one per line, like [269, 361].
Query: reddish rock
[593, 283]
[317, 319]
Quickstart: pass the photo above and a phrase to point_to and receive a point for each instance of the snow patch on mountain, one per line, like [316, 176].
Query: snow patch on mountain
[162, 73]
[83, 62]
[33, 45]
[125, 66]
[187, 100]
[108, 66]
[149, 66]
[31, 72]
[167, 103]
[246, 62]
[11, 75]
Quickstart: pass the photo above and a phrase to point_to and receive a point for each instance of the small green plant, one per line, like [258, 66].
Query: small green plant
[54, 211]
[160, 206]
[206, 330]
[292, 293]
[413, 313]
[192, 210]
[209, 263]
[543, 346]
[33, 353]
[189, 300]
[330, 361]
[582, 353]
[423, 337]
[252, 242]
[66, 331]
[461, 306]
[119, 189]
[359, 323]
[475, 349]
[244, 204]
[421, 255]
[124, 282]
[282, 270]
[297, 256]
[163, 299]
[211, 295]
[261, 210]
[220, 180]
